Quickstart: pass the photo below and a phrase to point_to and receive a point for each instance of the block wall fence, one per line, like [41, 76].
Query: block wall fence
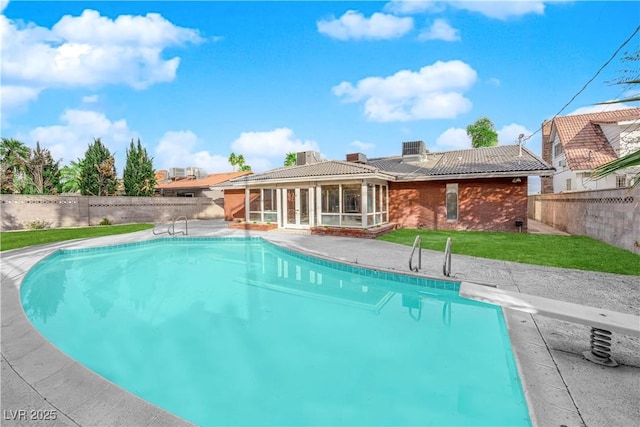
[18, 211]
[612, 216]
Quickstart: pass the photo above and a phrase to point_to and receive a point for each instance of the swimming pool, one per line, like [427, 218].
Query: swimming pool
[239, 331]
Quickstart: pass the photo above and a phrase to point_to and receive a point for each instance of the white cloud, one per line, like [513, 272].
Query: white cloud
[409, 7]
[493, 81]
[179, 149]
[15, 96]
[502, 10]
[509, 134]
[492, 9]
[89, 99]
[267, 149]
[90, 50]
[363, 146]
[3, 5]
[457, 138]
[433, 92]
[275, 143]
[353, 25]
[453, 139]
[69, 141]
[440, 30]
[598, 109]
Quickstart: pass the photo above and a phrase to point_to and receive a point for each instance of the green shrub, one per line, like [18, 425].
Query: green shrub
[36, 225]
[105, 221]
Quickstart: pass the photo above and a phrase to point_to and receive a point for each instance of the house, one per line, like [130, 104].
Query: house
[172, 184]
[577, 144]
[474, 189]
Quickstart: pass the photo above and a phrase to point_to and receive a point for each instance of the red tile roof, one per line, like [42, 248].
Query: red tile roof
[584, 144]
[206, 182]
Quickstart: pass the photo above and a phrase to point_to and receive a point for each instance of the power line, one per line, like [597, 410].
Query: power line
[591, 79]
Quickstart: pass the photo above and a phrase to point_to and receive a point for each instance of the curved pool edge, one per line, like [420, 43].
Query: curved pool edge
[530, 349]
[40, 381]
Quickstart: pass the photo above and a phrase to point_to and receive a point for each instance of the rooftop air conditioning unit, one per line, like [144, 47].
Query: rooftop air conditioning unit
[356, 158]
[195, 171]
[307, 157]
[413, 148]
[177, 173]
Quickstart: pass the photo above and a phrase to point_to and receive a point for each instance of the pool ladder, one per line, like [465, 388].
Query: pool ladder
[171, 228]
[417, 244]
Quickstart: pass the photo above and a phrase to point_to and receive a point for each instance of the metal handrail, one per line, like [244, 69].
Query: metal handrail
[173, 226]
[446, 265]
[418, 242]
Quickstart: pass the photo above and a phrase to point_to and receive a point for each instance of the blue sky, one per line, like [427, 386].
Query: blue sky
[198, 80]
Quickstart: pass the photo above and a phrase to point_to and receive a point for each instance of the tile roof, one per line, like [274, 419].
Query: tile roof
[584, 144]
[476, 162]
[206, 182]
[323, 168]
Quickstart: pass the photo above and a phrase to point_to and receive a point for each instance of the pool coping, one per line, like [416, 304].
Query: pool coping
[43, 369]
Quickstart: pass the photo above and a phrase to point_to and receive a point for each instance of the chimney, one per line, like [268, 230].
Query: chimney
[356, 158]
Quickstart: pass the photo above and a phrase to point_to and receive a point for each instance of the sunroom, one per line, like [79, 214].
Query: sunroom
[322, 194]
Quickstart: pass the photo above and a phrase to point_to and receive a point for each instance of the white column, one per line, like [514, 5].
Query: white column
[279, 216]
[363, 203]
[247, 201]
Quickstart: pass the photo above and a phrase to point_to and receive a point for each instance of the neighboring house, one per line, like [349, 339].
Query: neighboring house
[191, 185]
[575, 145]
[474, 189]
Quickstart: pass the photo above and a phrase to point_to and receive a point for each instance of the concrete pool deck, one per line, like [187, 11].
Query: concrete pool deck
[562, 388]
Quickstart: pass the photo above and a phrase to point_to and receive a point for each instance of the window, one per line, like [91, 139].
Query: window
[262, 205]
[452, 202]
[621, 181]
[568, 184]
[330, 199]
[557, 150]
[343, 205]
[351, 195]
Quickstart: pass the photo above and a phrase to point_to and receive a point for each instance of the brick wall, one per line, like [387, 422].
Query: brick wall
[546, 182]
[612, 216]
[483, 204]
[18, 211]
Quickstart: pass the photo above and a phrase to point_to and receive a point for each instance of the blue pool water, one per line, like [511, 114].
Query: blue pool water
[242, 332]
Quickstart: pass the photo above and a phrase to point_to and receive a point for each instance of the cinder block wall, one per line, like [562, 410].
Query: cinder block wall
[18, 211]
[612, 216]
[487, 205]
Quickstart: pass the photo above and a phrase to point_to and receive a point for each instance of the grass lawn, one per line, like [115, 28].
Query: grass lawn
[21, 239]
[579, 252]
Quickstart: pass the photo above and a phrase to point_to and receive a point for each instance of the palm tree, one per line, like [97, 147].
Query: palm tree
[290, 159]
[13, 159]
[233, 159]
[70, 177]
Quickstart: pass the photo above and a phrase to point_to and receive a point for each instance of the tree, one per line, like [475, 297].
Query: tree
[70, 177]
[43, 171]
[98, 175]
[138, 175]
[482, 133]
[238, 160]
[290, 159]
[13, 158]
[233, 160]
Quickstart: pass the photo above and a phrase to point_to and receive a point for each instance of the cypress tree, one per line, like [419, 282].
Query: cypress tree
[138, 175]
[98, 174]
